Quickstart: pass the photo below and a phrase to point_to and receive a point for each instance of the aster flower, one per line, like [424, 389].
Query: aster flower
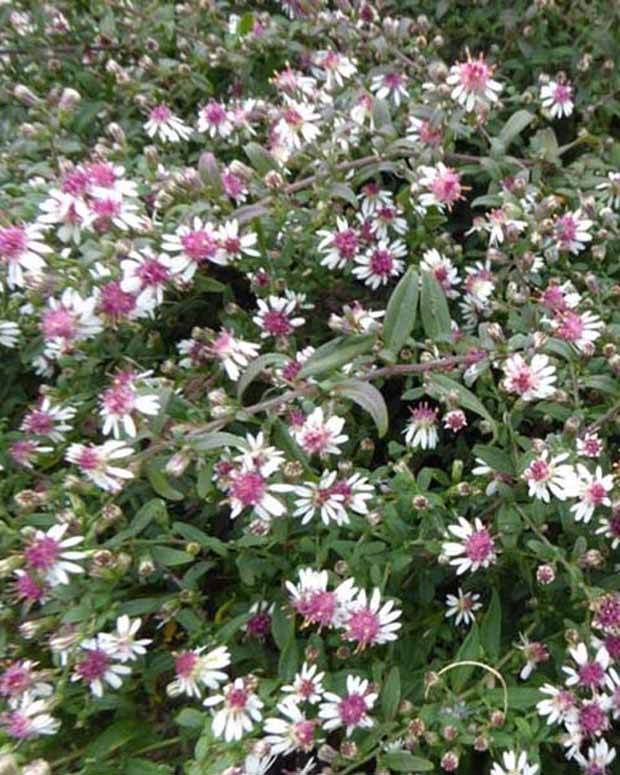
[48, 420]
[546, 477]
[259, 456]
[600, 755]
[557, 99]
[311, 599]
[355, 319]
[442, 269]
[320, 436]
[383, 219]
[111, 209]
[479, 282]
[588, 673]
[422, 131]
[319, 496]
[195, 670]
[29, 719]
[307, 685]
[581, 330]
[68, 320]
[390, 86]
[590, 719]
[421, 430]
[289, 732]
[22, 676]
[443, 187]
[560, 705]
[472, 83]
[232, 246]
[22, 251]
[380, 263]
[351, 710]
[334, 68]
[571, 232]
[356, 492]
[609, 527]
[514, 764]
[240, 710]
[297, 125]
[193, 245]
[123, 645]
[121, 402]
[147, 275]
[455, 420]
[534, 652]
[340, 247]
[462, 606]
[163, 124]
[98, 463]
[593, 491]
[530, 381]
[474, 550]
[274, 317]
[97, 668]
[215, 120]
[51, 556]
[369, 622]
[25, 451]
[259, 620]
[9, 333]
[612, 187]
[234, 354]
[590, 445]
[247, 487]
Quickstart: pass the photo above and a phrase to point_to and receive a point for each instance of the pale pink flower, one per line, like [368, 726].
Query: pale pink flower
[421, 430]
[97, 668]
[22, 249]
[99, 463]
[475, 548]
[472, 84]
[546, 477]
[381, 263]
[369, 622]
[275, 316]
[390, 85]
[443, 270]
[320, 436]
[593, 491]
[557, 99]
[340, 247]
[241, 709]
[215, 120]
[443, 187]
[162, 123]
[571, 232]
[47, 419]
[195, 670]
[530, 381]
[52, 557]
[350, 710]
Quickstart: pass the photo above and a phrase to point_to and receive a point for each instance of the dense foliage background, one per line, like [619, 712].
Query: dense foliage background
[309, 420]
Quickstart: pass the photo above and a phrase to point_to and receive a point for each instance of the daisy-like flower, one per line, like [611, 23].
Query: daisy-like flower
[369, 623]
[248, 488]
[51, 556]
[97, 668]
[479, 282]
[29, 589]
[240, 710]
[421, 430]
[350, 711]
[609, 527]
[29, 719]
[422, 131]
[383, 219]
[193, 245]
[318, 436]
[463, 607]
[571, 232]
[443, 187]
[25, 452]
[195, 670]
[590, 445]
[21, 677]
[356, 491]
[48, 420]
[22, 251]
[122, 401]
[234, 354]
[474, 550]
[320, 496]
[162, 123]
[455, 420]
[557, 99]
[600, 756]
[560, 705]
[68, 320]
[334, 67]
[560, 298]
[290, 732]
[551, 477]
[530, 381]
[380, 263]
[443, 270]
[275, 316]
[233, 246]
[590, 674]
[147, 275]
[215, 120]
[307, 685]
[472, 83]
[534, 652]
[514, 764]
[581, 330]
[355, 320]
[311, 599]
[298, 125]
[259, 456]
[9, 333]
[112, 210]
[593, 491]
[340, 247]
[590, 719]
[612, 187]
[390, 86]
[98, 463]
[123, 645]
[259, 620]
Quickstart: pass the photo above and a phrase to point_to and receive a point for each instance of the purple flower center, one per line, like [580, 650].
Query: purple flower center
[13, 242]
[381, 262]
[276, 322]
[152, 272]
[363, 627]
[93, 666]
[591, 674]
[352, 709]
[479, 546]
[592, 719]
[59, 323]
[39, 422]
[248, 488]
[185, 663]
[42, 553]
[345, 242]
[160, 113]
[259, 625]
[199, 245]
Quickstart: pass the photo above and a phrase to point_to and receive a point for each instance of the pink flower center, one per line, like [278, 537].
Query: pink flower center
[345, 242]
[381, 263]
[352, 709]
[39, 422]
[22, 451]
[18, 725]
[303, 734]
[317, 607]
[539, 471]
[474, 76]
[152, 272]
[215, 113]
[259, 625]
[479, 546]
[160, 114]
[291, 370]
[75, 183]
[316, 440]
[596, 493]
[424, 416]
[13, 242]
[88, 459]
[608, 613]
[105, 209]
[15, 680]
[102, 175]
[199, 245]
[612, 644]
[292, 117]
[522, 380]
[614, 527]
[27, 589]
[276, 323]
[592, 447]
[93, 666]
[447, 186]
[59, 323]
[43, 553]
[119, 400]
[591, 674]
[566, 228]
[232, 184]
[115, 302]
[554, 298]
[592, 719]
[306, 688]
[363, 627]
[237, 699]
[232, 245]
[429, 135]
[392, 81]
[562, 93]
[248, 488]
[571, 328]
[185, 663]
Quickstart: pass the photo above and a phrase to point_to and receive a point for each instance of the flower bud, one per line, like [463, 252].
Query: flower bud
[420, 502]
[449, 762]
[25, 95]
[348, 749]
[69, 99]
[312, 653]
[327, 754]
[8, 765]
[545, 574]
[497, 719]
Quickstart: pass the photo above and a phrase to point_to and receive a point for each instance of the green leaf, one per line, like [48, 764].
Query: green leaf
[289, 659]
[191, 533]
[519, 697]
[491, 628]
[466, 398]
[282, 628]
[341, 191]
[401, 311]
[381, 114]
[338, 352]
[403, 761]
[256, 366]
[434, 310]
[514, 126]
[262, 161]
[390, 695]
[145, 767]
[115, 736]
[191, 718]
[245, 24]
[369, 398]
[495, 458]
[155, 509]
[470, 650]
[164, 555]
[159, 482]
[216, 440]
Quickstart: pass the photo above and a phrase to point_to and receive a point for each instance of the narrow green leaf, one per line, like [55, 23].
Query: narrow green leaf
[260, 159]
[255, 368]
[369, 398]
[339, 352]
[515, 125]
[491, 628]
[390, 695]
[155, 509]
[470, 650]
[164, 555]
[381, 114]
[159, 482]
[342, 191]
[282, 628]
[113, 737]
[216, 440]
[403, 761]
[192, 533]
[434, 310]
[401, 311]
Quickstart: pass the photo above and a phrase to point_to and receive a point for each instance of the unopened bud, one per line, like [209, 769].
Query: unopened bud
[69, 99]
[312, 653]
[449, 762]
[25, 95]
[348, 749]
[420, 502]
[545, 574]
[497, 719]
